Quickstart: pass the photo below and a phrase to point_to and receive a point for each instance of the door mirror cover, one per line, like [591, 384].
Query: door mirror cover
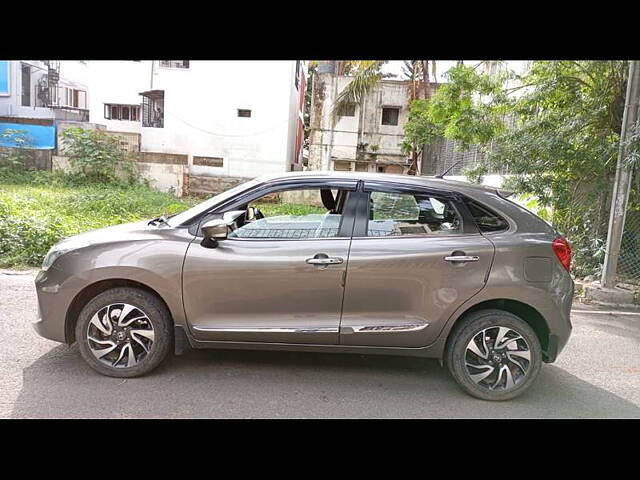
[216, 229]
[219, 228]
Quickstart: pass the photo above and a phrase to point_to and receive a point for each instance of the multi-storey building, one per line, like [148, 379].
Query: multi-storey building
[230, 118]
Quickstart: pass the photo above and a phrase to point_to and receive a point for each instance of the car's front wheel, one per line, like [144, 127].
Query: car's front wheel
[124, 332]
[494, 355]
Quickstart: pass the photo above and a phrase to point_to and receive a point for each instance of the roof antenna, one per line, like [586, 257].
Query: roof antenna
[448, 169]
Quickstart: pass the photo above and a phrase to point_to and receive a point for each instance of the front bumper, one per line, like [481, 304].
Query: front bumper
[53, 302]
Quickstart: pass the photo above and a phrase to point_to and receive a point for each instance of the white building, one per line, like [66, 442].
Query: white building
[229, 118]
[35, 97]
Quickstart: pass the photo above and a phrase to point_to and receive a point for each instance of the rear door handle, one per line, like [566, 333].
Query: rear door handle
[462, 258]
[324, 261]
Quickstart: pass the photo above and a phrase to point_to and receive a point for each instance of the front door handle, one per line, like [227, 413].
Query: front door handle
[462, 258]
[323, 260]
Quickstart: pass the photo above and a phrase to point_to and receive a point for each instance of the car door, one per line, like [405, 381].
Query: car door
[272, 280]
[403, 280]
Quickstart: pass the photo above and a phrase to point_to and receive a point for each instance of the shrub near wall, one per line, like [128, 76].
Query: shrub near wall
[35, 217]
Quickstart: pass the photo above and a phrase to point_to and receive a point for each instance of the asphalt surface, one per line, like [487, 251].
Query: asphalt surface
[596, 376]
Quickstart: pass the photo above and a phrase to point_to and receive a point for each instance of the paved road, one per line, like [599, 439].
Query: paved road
[597, 376]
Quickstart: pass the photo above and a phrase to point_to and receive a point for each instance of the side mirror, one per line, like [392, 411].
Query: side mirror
[219, 228]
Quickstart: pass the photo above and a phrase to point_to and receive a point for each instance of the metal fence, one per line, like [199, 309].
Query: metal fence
[584, 220]
[444, 154]
[629, 260]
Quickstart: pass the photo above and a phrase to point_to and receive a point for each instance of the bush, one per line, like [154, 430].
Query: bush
[98, 156]
[13, 160]
[34, 216]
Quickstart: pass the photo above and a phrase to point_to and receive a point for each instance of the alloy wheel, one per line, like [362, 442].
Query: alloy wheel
[498, 358]
[120, 335]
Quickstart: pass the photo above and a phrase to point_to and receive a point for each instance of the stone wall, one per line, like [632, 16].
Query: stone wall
[200, 184]
[38, 159]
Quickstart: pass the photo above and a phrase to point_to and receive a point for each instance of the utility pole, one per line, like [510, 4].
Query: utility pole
[622, 183]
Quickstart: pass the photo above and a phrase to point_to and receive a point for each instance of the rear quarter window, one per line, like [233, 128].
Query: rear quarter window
[486, 219]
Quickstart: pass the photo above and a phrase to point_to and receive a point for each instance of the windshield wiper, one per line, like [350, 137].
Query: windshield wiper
[161, 219]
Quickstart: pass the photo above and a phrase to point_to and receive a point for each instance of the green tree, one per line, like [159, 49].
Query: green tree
[564, 120]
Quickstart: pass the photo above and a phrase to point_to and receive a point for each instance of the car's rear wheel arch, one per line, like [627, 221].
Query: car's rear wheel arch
[522, 310]
[90, 291]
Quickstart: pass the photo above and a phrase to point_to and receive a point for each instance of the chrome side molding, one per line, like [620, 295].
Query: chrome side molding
[267, 329]
[406, 327]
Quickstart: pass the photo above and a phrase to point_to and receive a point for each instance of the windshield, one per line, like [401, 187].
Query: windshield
[183, 217]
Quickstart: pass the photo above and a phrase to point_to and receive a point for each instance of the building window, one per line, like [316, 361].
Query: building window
[174, 63]
[244, 113]
[297, 74]
[70, 97]
[349, 110]
[26, 85]
[390, 115]
[122, 112]
[153, 109]
[342, 165]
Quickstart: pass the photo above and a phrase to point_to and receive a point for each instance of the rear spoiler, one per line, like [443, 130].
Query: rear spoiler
[504, 193]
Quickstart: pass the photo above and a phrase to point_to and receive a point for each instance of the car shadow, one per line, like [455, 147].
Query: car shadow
[254, 384]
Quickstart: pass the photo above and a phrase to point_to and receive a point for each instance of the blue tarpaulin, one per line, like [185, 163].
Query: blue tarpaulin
[43, 137]
[4, 77]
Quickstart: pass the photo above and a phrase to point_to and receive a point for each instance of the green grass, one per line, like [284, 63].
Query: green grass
[34, 217]
[273, 209]
[41, 209]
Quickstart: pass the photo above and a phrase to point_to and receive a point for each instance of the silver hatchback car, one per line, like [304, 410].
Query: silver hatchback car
[324, 262]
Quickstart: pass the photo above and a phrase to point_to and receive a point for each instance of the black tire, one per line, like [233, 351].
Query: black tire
[471, 326]
[156, 313]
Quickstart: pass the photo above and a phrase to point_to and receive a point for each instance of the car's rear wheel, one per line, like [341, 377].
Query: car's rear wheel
[124, 332]
[494, 355]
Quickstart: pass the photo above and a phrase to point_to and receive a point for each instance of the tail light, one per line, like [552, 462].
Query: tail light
[562, 249]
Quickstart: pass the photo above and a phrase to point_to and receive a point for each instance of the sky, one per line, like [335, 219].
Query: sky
[395, 66]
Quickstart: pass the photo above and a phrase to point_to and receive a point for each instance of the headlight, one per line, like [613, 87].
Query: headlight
[60, 249]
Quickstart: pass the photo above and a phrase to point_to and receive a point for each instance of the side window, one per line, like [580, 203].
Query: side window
[411, 214]
[293, 214]
[485, 219]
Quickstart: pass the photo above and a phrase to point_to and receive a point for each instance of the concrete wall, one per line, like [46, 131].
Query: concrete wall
[38, 159]
[165, 172]
[164, 177]
[212, 185]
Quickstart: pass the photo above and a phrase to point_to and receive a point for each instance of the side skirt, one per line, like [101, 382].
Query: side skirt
[432, 351]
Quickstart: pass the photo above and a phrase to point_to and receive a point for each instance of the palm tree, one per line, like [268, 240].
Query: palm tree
[367, 76]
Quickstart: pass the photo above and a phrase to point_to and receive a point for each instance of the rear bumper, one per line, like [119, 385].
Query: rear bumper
[553, 349]
[560, 329]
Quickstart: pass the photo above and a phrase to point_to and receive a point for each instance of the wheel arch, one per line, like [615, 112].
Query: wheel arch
[90, 291]
[522, 310]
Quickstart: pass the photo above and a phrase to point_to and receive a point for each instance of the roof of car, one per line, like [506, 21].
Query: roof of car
[427, 181]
